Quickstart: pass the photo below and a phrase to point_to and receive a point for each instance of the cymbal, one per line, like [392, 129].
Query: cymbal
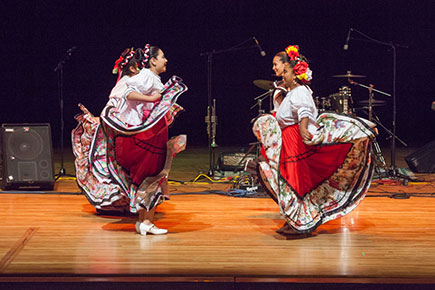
[348, 75]
[375, 103]
[264, 84]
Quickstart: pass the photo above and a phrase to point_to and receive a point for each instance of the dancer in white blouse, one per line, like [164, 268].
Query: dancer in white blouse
[123, 158]
[318, 168]
[144, 154]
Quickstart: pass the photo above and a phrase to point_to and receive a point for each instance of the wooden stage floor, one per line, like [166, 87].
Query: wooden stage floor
[58, 237]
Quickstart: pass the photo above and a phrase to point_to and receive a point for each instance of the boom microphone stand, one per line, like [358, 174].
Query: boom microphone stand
[211, 119]
[59, 70]
[393, 46]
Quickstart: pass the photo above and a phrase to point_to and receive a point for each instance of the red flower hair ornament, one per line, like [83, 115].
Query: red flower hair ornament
[122, 61]
[299, 64]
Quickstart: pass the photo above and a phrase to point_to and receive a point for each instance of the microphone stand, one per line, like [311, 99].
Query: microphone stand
[211, 122]
[59, 70]
[393, 46]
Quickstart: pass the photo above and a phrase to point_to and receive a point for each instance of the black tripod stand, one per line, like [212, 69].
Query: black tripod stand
[211, 118]
[370, 112]
[59, 70]
[393, 168]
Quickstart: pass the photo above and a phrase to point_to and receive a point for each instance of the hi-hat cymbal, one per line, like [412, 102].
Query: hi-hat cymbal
[348, 75]
[264, 84]
[375, 103]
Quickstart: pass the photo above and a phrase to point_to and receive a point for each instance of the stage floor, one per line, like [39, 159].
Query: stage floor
[58, 236]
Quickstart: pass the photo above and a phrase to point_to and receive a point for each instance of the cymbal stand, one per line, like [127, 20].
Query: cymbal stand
[261, 111]
[370, 109]
[260, 100]
[210, 54]
[393, 47]
[374, 118]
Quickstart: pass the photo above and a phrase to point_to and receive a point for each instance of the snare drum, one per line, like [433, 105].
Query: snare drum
[322, 103]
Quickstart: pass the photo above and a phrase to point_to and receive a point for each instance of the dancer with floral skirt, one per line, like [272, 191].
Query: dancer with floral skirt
[318, 167]
[123, 158]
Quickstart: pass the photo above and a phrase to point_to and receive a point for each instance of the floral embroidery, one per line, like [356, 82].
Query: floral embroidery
[336, 196]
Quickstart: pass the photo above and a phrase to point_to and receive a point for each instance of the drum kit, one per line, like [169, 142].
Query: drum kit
[341, 102]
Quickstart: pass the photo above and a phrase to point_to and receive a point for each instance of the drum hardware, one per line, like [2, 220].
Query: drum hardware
[370, 102]
[322, 104]
[348, 75]
[270, 86]
[381, 167]
[380, 161]
[375, 103]
[264, 84]
[393, 49]
[325, 103]
[260, 99]
[317, 102]
[346, 98]
[340, 102]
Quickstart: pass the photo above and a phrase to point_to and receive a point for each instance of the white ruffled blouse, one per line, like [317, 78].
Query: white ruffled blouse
[298, 104]
[145, 82]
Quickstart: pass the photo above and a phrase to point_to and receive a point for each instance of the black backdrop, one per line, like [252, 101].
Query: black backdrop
[36, 34]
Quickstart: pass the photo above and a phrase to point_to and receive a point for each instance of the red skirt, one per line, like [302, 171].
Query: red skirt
[143, 154]
[305, 167]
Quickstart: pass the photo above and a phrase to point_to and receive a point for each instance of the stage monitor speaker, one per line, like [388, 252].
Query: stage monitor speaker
[230, 161]
[422, 160]
[26, 157]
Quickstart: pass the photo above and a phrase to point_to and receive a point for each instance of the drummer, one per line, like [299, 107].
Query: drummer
[278, 67]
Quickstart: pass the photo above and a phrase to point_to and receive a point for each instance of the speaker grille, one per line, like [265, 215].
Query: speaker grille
[27, 171]
[25, 144]
[26, 156]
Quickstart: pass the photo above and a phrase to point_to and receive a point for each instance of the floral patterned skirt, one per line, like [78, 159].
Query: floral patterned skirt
[322, 180]
[107, 185]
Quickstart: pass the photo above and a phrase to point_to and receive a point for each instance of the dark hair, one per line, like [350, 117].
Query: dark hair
[283, 57]
[154, 51]
[132, 62]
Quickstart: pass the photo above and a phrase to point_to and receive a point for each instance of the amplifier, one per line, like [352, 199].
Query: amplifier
[231, 161]
[422, 160]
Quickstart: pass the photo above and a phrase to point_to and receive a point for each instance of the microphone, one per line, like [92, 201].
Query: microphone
[66, 57]
[346, 45]
[69, 51]
[259, 47]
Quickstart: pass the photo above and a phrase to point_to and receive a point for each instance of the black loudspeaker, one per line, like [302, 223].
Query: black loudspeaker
[422, 160]
[26, 156]
[230, 161]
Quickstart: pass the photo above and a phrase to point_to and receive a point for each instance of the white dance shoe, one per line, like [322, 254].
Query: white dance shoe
[143, 229]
